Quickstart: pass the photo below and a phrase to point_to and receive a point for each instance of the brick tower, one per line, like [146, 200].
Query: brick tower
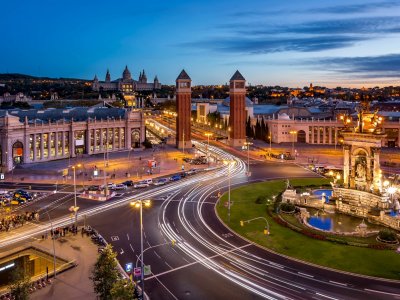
[237, 118]
[183, 110]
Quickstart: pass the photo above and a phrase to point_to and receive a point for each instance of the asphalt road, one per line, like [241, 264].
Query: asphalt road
[207, 261]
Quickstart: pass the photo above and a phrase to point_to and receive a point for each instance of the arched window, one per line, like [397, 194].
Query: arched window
[18, 153]
[135, 141]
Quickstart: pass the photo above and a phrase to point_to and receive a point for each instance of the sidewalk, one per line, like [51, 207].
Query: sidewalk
[73, 284]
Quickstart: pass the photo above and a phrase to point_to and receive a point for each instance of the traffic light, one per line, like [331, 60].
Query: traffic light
[242, 223]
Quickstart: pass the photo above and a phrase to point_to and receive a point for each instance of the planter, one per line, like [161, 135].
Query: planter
[387, 242]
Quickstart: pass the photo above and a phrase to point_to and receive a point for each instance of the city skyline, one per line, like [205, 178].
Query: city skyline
[288, 44]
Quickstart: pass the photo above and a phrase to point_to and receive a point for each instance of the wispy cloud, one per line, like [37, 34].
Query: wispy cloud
[384, 66]
[356, 8]
[261, 45]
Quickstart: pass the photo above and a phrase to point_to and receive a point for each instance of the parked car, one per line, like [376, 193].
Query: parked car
[109, 186]
[120, 187]
[17, 201]
[175, 177]
[160, 181]
[148, 181]
[94, 188]
[191, 172]
[140, 185]
[128, 183]
[187, 159]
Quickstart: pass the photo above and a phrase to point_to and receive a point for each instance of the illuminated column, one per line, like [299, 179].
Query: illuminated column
[94, 140]
[101, 139]
[63, 143]
[312, 134]
[330, 135]
[56, 141]
[237, 105]
[49, 145]
[377, 182]
[41, 146]
[34, 147]
[113, 138]
[120, 137]
[346, 166]
[183, 110]
[318, 135]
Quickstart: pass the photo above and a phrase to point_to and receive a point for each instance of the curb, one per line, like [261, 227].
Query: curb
[296, 259]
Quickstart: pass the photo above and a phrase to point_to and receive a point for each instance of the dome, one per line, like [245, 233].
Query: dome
[227, 101]
[126, 75]
[283, 116]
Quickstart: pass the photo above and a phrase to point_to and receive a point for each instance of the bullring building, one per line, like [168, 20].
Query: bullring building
[30, 136]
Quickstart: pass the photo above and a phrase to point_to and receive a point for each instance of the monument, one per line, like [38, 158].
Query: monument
[183, 109]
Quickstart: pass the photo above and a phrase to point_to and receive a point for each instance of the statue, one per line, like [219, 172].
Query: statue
[360, 172]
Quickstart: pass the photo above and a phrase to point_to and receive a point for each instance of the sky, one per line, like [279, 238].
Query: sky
[288, 43]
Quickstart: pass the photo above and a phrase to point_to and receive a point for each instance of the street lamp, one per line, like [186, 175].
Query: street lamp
[75, 207]
[208, 134]
[247, 144]
[293, 133]
[139, 204]
[229, 163]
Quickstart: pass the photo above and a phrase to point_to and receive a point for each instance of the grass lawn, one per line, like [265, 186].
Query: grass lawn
[379, 263]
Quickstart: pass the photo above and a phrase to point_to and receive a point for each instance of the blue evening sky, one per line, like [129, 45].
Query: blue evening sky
[290, 43]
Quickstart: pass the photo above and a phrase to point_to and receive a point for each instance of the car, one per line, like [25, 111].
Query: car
[23, 196]
[148, 181]
[187, 159]
[128, 183]
[175, 177]
[140, 185]
[120, 187]
[17, 201]
[160, 181]
[191, 172]
[94, 188]
[109, 186]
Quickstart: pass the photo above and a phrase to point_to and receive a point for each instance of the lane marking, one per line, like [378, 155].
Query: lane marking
[168, 265]
[381, 292]
[127, 235]
[157, 254]
[339, 283]
[131, 247]
[325, 296]
[304, 274]
[198, 261]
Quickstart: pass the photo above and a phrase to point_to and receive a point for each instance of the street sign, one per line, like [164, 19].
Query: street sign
[137, 272]
[147, 270]
[128, 267]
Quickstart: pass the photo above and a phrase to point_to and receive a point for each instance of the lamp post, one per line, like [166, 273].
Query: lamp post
[208, 134]
[229, 163]
[247, 144]
[139, 204]
[54, 246]
[293, 133]
[75, 207]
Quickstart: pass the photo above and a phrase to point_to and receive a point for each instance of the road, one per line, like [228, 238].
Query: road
[207, 260]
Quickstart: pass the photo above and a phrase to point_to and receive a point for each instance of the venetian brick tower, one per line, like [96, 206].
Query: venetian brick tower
[237, 118]
[183, 110]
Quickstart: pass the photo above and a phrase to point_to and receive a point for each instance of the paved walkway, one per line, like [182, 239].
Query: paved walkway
[73, 284]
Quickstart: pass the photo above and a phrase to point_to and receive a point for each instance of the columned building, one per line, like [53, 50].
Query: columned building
[31, 136]
[183, 109]
[237, 119]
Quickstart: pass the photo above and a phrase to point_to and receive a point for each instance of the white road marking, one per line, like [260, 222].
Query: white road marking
[325, 296]
[339, 283]
[304, 274]
[115, 238]
[132, 248]
[122, 251]
[157, 254]
[381, 292]
[127, 235]
[276, 265]
[168, 265]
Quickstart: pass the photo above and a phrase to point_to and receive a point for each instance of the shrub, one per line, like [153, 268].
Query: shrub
[287, 207]
[261, 199]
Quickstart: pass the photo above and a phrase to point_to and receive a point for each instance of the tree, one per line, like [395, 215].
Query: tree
[105, 273]
[123, 290]
[19, 289]
[258, 130]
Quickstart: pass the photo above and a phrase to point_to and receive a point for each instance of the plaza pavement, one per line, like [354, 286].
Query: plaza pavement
[74, 283]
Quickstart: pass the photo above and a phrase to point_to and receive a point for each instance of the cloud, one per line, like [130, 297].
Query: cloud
[366, 25]
[355, 8]
[261, 45]
[384, 66]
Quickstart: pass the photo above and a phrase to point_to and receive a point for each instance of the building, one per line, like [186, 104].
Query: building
[183, 109]
[30, 136]
[126, 84]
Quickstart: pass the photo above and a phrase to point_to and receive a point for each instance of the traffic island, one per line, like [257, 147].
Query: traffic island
[307, 245]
